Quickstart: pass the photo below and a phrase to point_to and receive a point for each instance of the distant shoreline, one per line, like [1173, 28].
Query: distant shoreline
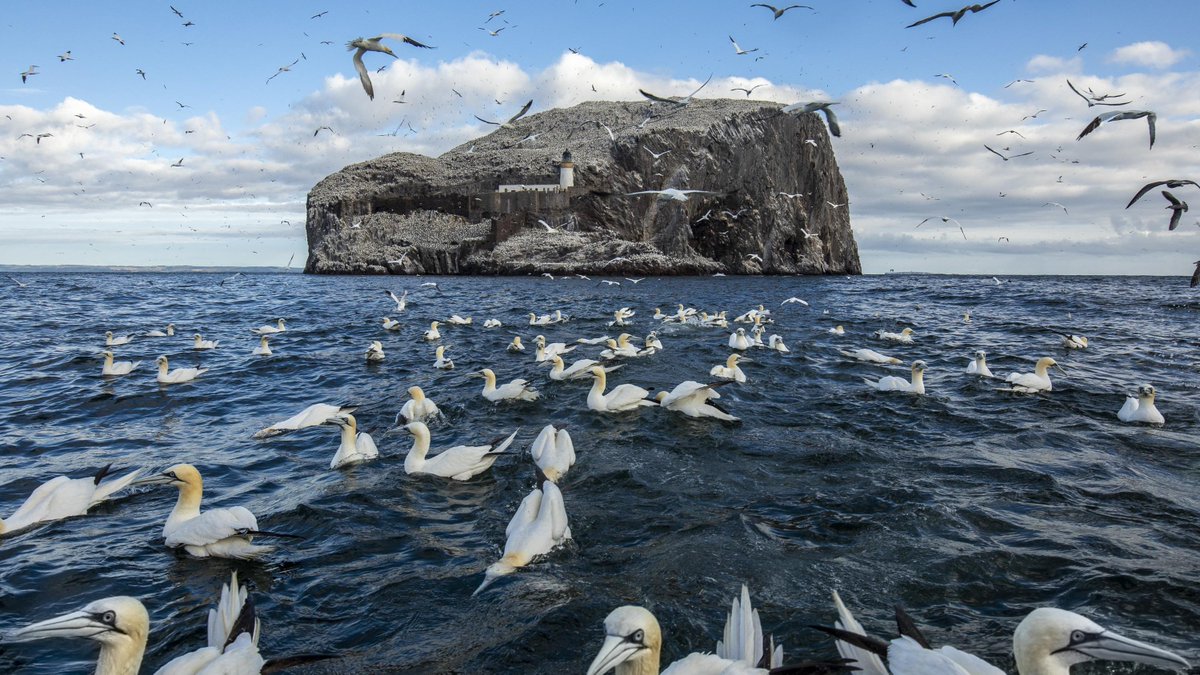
[147, 269]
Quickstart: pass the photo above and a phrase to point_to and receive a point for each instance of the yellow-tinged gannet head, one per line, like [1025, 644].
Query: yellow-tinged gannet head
[630, 633]
[1053, 640]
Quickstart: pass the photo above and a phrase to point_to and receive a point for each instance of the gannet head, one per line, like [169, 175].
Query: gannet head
[906, 332]
[434, 324]
[487, 374]
[540, 339]
[416, 393]
[1044, 364]
[342, 420]
[554, 361]
[419, 431]
[598, 375]
[161, 362]
[1147, 392]
[731, 362]
[741, 331]
[1049, 636]
[108, 356]
[660, 396]
[980, 355]
[439, 351]
[281, 324]
[918, 367]
[630, 633]
[493, 572]
[262, 341]
[182, 476]
[516, 341]
[119, 622]
[170, 329]
[387, 320]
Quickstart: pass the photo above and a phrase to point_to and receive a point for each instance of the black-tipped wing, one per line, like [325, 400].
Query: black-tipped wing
[519, 115]
[1092, 126]
[1171, 198]
[871, 644]
[931, 18]
[906, 626]
[402, 38]
[485, 121]
[1081, 95]
[652, 97]
[832, 120]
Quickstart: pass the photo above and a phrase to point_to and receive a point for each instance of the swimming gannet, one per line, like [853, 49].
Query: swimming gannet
[199, 342]
[621, 348]
[458, 463]
[492, 323]
[893, 383]
[978, 366]
[401, 302]
[217, 533]
[311, 416]
[869, 355]
[776, 343]
[579, 370]
[1141, 408]
[121, 625]
[418, 407]
[553, 452]
[178, 375]
[1048, 641]
[110, 341]
[837, 330]
[355, 447]
[62, 497]
[459, 321]
[158, 333]
[730, 371]
[390, 324]
[545, 351]
[263, 349]
[739, 340]
[1031, 383]
[1075, 342]
[433, 333]
[543, 320]
[904, 336]
[116, 368]
[594, 341]
[623, 397]
[620, 315]
[268, 329]
[516, 346]
[652, 341]
[633, 645]
[539, 525]
[374, 352]
[441, 361]
[517, 390]
[692, 399]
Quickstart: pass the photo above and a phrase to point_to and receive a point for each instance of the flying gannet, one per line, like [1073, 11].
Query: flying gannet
[553, 452]
[461, 462]
[1141, 408]
[955, 15]
[374, 352]
[623, 397]
[62, 497]
[978, 365]
[178, 375]
[510, 122]
[780, 12]
[730, 371]
[538, 526]
[116, 368]
[170, 332]
[869, 355]
[263, 348]
[364, 45]
[355, 447]
[199, 342]
[218, 533]
[893, 383]
[280, 327]
[110, 341]
[1150, 116]
[401, 302]
[1032, 383]
[814, 106]
[672, 193]
[692, 399]
[312, 416]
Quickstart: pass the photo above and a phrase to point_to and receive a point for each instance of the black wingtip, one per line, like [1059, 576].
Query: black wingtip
[102, 473]
[908, 627]
[244, 623]
[816, 668]
[873, 645]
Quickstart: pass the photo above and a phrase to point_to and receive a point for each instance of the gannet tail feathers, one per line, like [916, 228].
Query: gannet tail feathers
[103, 491]
[865, 659]
[246, 622]
[743, 635]
[227, 615]
[499, 449]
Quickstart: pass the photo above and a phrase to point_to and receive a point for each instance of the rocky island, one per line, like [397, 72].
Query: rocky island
[551, 195]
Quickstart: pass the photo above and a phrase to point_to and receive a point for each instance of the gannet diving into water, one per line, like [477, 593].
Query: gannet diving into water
[311, 416]
[117, 368]
[692, 399]
[893, 383]
[1141, 408]
[730, 371]
[418, 408]
[355, 447]
[217, 533]
[170, 332]
[110, 341]
[979, 366]
[621, 398]
[268, 329]
[263, 349]
[374, 352]
[199, 342]
[62, 497]
[553, 452]
[869, 355]
[539, 525]
[517, 390]
[178, 375]
[1032, 383]
[462, 462]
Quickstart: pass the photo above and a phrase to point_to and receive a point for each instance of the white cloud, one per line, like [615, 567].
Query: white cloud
[1149, 54]
[1043, 63]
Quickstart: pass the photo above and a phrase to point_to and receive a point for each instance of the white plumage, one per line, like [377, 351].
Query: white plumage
[218, 533]
[118, 367]
[63, 497]
[692, 399]
[461, 462]
[621, 398]
[311, 416]
[355, 447]
[538, 526]
[893, 383]
[178, 375]
[553, 452]
[1141, 408]
[418, 408]
[517, 390]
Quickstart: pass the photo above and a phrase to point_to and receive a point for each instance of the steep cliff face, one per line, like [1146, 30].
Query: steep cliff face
[778, 204]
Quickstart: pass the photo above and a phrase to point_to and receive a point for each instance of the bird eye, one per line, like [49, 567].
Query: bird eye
[172, 475]
[1077, 636]
[109, 618]
[637, 636]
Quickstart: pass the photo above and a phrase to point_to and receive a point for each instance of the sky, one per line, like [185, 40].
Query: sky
[194, 144]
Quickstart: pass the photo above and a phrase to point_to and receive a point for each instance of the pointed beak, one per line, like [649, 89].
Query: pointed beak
[75, 624]
[339, 421]
[156, 479]
[1109, 646]
[615, 651]
[1060, 369]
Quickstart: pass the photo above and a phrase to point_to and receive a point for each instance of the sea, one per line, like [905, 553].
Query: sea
[968, 506]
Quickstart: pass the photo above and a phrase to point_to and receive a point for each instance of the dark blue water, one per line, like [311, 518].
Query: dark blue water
[969, 506]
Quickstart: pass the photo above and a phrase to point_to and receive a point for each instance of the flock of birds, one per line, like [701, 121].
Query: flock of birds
[1047, 642]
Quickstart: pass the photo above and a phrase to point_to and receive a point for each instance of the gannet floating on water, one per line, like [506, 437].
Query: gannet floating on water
[893, 383]
[433, 333]
[62, 497]
[418, 407]
[904, 336]
[374, 352]
[461, 462]
[776, 343]
[553, 452]
[623, 397]
[517, 390]
[1031, 383]
[621, 348]
[441, 361]
[730, 371]
[515, 345]
[594, 341]
[1141, 408]
[1075, 342]
[170, 332]
[355, 447]
[178, 375]
[869, 355]
[538, 526]
[543, 320]
[116, 368]
[633, 646]
[739, 340]
[459, 321]
[492, 323]
[218, 533]
[978, 366]
[199, 342]
[269, 329]
[545, 351]
[311, 416]
[1048, 641]
[121, 625]
[652, 341]
[110, 341]
[579, 370]
[263, 349]
[837, 330]
[390, 324]
[692, 399]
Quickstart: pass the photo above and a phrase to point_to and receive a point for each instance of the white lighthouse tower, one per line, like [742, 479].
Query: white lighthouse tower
[566, 171]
